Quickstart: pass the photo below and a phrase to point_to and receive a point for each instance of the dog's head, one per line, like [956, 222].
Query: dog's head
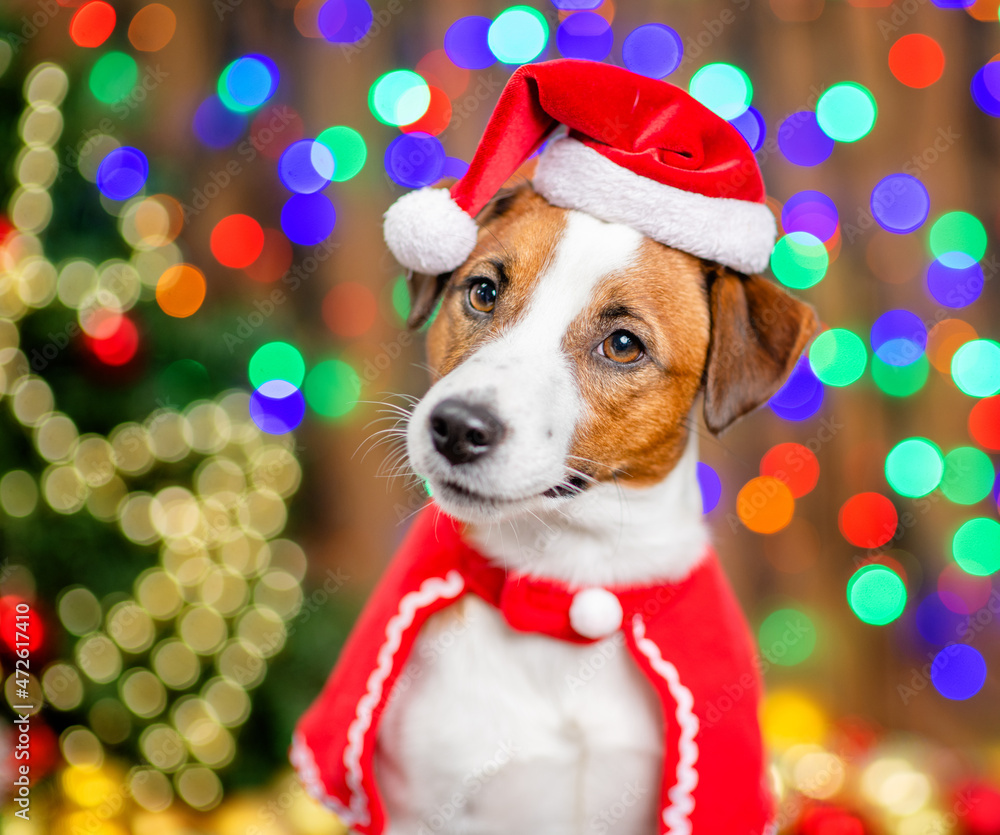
[568, 352]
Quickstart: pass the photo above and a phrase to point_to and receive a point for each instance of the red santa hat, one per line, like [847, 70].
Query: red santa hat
[638, 151]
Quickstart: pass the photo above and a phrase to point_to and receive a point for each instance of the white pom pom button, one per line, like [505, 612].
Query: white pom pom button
[595, 613]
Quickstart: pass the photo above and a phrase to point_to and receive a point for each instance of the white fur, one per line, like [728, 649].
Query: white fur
[494, 731]
[737, 233]
[427, 231]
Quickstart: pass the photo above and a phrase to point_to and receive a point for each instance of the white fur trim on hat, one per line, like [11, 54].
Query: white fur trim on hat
[737, 233]
[429, 232]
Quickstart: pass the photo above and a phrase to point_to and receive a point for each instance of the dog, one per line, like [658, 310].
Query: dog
[547, 669]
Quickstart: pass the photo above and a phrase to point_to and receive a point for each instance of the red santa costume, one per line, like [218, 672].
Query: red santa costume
[643, 153]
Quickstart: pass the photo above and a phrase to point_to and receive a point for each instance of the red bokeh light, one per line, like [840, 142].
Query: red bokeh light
[92, 24]
[349, 309]
[868, 520]
[984, 423]
[793, 464]
[439, 71]
[115, 340]
[237, 241]
[274, 260]
[437, 117]
[916, 60]
[274, 129]
[11, 619]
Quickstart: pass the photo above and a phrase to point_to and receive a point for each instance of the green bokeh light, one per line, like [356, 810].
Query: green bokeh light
[876, 594]
[968, 475]
[900, 380]
[332, 388]
[401, 298]
[724, 89]
[957, 232]
[184, 381]
[914, 467]
[399, 97]
[277, 361]
[846, 112]
[976, 547]
[113, 77]
[838, 357]
[518, 35]
[975, 368]
[222, 88]
[348, 149]
[799, 260]
[787, 637]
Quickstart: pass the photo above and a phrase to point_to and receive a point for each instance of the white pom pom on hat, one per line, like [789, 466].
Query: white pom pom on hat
[640, 152]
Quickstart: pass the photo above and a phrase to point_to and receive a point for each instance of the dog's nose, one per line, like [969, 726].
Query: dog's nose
[463, 432]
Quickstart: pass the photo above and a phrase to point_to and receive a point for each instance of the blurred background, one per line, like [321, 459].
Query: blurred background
[199, 320]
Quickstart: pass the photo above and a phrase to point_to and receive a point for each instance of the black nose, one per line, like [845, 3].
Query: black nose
[463, 432]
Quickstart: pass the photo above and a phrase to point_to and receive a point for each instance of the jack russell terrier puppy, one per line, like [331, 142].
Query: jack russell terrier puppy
[543, 652]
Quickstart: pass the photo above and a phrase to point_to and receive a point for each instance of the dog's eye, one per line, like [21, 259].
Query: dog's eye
[483, 295]
[622, 346]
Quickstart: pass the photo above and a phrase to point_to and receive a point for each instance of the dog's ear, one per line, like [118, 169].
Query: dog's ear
[758, 332]
[426, 289]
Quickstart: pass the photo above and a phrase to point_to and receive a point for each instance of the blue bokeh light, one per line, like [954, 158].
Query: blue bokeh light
[955, 280]
[277, 407]
[345, 21]
[711, 487]
[958, 672]
[802, 141]
[122, 174]
[466, 43]
[216, 126]
[900, 203]
[801, 396]
[306, 166]
[585, 35]
[752, 127]
[653, 50]
[415, 160]
[899, 337]
[308, 219]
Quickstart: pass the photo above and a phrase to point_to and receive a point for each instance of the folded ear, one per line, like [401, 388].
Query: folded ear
[758, 332]
[426, 289]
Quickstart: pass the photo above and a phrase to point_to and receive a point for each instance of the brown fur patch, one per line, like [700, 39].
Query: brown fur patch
[517, 245]
[635, 427]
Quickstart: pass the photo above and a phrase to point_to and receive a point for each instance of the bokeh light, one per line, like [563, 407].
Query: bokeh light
[838, 357]
[216, 125]
[274, 260]
[308, 219]
[787, 637]
[968, 475]
[984, 423]
[399, 97]
[958, 672]
[466, 43]
[585, 35]
[900, 203]
[846, 112]
[956, 281]
[115, 340]
[277, 407]
[415, 160]
[332, 388]
[348, 149]
[113, 77]
[900, 380]
[957, 232]
[976, 546]
[765, 505]
[122, 174]
[975, 368]
[152, 28]
[518, 35]
[436, 119]
[899, 337]
[916, 60]
[752, 128]
[653, 50]
[237, 241]
[985, 88]
[794, 464]
[724, 89]
[812, 212]
[306, 166]
[349, 310]
[180, 291]
[248, 82]
[876, 594]
[914, 467]
[944, 339]
[801, 396]
[868, 520]
[802, 141]
[92, 24]
[710, 486]
[277, 361]
[345, 21]
[799, 260]
[963, 593]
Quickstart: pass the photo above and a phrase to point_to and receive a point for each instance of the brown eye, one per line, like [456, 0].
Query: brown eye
[483, 295]
[622, 347]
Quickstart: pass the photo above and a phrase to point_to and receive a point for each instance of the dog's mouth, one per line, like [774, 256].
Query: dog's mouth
[571, 486]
